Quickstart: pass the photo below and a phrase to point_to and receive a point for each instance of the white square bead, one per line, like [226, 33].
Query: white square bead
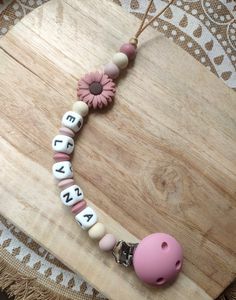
[71, 195]
[72, 120]
[62, 170]
[63, 143]
[86, 218]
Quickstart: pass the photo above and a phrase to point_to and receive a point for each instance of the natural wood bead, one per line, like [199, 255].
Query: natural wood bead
[134, 41]
[97, 231]
[62, 170]
[108, 242]
[63, 143]
[80, 108]
[86, 218]
[71, 195]
[121, 60]
[72, 120]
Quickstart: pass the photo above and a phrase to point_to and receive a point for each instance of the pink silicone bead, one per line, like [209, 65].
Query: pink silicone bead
[129, 50]
[158, 259]
[78, 207]
[111, 70]
[67, 131]
[108, 242]
[63, 184]
[59, 156]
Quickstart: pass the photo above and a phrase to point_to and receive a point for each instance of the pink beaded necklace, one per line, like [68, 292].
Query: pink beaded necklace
[158, 258]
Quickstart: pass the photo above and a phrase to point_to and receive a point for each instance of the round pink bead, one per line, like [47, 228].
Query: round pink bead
[108, 242]
[63, 184]
[129, 50]
[59, 156]
[158, 259]
[78, 207]
[111, 70]
[67, 131]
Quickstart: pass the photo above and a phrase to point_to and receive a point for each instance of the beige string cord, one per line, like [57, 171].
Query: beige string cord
[142, 27]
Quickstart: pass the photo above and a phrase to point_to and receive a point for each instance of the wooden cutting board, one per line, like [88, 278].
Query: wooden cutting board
[162, 158]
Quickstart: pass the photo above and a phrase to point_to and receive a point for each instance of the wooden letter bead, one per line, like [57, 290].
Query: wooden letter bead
[97, 231]
[62, 170]
[63, 143]
[72, 195]
[86, 218]
[72, 120]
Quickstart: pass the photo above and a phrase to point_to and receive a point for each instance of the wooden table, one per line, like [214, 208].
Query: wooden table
[162, 158]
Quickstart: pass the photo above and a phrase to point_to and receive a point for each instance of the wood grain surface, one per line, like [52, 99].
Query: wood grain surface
[162, 158]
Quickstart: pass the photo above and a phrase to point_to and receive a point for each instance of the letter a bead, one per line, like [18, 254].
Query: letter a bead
[63, 143]
[62, 170]
[72, 120]
[72, 195]
[86, 218]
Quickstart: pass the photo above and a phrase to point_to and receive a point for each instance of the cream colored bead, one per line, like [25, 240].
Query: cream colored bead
[80, 108]
[121, 60]
[97, 231]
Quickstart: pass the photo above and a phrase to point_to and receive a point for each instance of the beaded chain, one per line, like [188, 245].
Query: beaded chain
[95, 91]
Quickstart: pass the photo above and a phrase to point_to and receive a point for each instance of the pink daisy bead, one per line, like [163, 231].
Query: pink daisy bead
[67, 131]
[96, 89]
[60, 156]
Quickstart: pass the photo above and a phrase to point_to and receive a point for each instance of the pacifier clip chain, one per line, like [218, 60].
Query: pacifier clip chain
[158, 258]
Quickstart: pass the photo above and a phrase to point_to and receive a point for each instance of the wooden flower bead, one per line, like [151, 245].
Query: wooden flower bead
[80, 108]
[97, 231]
[121, 60]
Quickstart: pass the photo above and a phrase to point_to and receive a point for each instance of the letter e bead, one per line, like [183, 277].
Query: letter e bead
[71, 195]
[86, 218]
[72, 120]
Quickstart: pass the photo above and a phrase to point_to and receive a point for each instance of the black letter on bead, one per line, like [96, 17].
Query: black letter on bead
[60, 170]
[55, 142]
[70, 118]
[88, 216]
[68, 199]
[78, 192]
[69, 144]
[79, 124]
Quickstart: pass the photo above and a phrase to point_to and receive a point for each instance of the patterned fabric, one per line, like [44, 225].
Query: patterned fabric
[206, 29]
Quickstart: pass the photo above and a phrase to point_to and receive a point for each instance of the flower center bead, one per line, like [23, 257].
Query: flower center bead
[95, 88]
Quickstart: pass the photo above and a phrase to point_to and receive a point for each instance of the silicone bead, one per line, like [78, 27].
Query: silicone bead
[78, 207]
[111, 70]
[121, 60]
[72, 120]
[129, 50]
[97, 231]
[108, 242]
[67, 131]
[63, 184]
[62, 170]
[81, 108]
[158, 259]
[59, 156]
[71, 195]
[63, 143]
[86, 218]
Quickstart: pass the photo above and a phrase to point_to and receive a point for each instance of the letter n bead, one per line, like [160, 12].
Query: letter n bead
[62, 170]
[72, 120]
[72, 195]
[86, 218]
[63, 143]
